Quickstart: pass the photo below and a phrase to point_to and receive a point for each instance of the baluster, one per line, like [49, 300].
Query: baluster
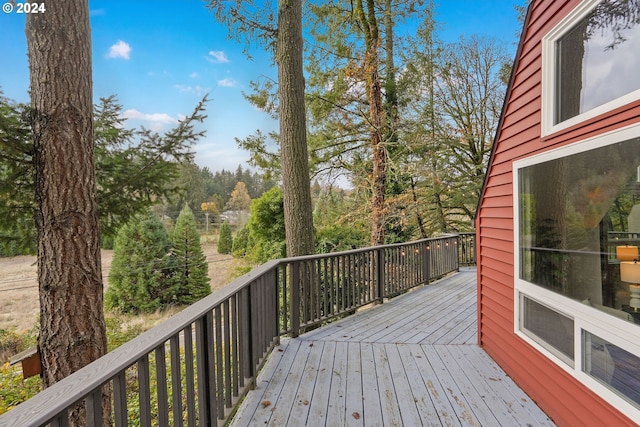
[187, 334]
[144, 391]
[161, 382]
[176, 380]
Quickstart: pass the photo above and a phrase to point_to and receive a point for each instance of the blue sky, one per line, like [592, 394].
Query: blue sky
[159, 58]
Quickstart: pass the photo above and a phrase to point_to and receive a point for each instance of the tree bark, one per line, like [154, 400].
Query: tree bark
[369, 23]
[293, 131]
[72, 326]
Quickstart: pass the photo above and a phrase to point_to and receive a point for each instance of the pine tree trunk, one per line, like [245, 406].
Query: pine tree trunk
[374, 94]
[293, 133]
[72, 327]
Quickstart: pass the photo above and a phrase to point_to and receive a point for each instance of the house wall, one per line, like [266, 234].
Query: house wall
[560, 395]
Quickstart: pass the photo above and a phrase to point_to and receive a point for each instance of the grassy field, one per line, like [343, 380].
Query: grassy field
[19, 304]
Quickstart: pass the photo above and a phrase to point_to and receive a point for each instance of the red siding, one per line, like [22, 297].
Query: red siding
[562, 397]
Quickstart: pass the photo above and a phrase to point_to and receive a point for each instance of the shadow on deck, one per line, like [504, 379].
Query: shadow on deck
[411, 361]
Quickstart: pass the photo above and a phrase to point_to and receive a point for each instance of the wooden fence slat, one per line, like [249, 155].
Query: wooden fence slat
[161, 386]
[190, 376]
[93, 405]
[120, 400]
[144, 391]
[202, 371]
[176, 380]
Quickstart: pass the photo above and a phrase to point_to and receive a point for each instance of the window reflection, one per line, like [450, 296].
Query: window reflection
[597, 60]
[549, 328]
[574, 212]
[615, 367]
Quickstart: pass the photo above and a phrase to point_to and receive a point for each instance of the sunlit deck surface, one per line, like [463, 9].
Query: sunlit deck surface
[412, 361]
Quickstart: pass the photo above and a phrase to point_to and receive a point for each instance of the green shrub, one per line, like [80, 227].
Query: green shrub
[267, 216]
[14, 389]
[241, 242]
[12, 343]
[225, 242]
[141, 276]
[119, 331]
[338, 237]
[266, 227]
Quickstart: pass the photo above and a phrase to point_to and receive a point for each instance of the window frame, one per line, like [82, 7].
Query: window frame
[586, 318]
[549, 73]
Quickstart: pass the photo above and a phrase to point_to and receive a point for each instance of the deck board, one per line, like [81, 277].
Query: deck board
[410, 361]
[336, 409]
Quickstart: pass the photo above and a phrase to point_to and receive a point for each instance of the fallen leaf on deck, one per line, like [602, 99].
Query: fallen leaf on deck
[356, 415]
[266, 403]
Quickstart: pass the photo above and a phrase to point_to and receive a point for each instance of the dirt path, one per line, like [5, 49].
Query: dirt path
[19, 304]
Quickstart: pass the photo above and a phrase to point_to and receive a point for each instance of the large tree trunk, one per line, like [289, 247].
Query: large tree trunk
[293, 131]
[72, 327]
[371, 66]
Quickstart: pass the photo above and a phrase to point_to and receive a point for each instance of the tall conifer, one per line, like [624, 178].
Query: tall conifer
[191, 273]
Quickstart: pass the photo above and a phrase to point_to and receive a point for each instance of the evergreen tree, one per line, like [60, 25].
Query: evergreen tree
[140, 279]
[134, 168]
[241, 242]
[17, 226]
[191, 274]
[225, 242]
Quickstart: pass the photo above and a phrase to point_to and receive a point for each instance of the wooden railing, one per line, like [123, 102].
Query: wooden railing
[467, 248]
[195, 367]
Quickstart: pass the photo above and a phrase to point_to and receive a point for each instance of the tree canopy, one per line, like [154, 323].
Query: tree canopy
[135, 168]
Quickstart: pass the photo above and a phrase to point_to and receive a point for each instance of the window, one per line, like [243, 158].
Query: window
[574, 212]
[549, 328]
[590, 63]
[613, 366]
[577, 209]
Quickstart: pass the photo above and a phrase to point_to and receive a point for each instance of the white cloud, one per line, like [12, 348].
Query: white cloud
[198, 90]
[119, 50]
[155, 121]
[156, 117]
[217, 57]
[227, 82]
[194, 75]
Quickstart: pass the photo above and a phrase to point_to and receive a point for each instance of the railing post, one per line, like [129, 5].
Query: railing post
[295, 299]
[426, 263]
[380, 273]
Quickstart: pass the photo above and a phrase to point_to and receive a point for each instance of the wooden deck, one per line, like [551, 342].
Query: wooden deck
[412, 361]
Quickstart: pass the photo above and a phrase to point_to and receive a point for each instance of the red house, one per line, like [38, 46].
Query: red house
[559, 219]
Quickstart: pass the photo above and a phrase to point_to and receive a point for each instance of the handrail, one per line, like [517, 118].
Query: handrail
[206, 357]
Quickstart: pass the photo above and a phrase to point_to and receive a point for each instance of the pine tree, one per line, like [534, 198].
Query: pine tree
[225, 242]
[191, 274]
[141, 272]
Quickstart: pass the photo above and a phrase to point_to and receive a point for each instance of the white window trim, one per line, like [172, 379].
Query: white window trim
[549, 76]
[586, 318]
